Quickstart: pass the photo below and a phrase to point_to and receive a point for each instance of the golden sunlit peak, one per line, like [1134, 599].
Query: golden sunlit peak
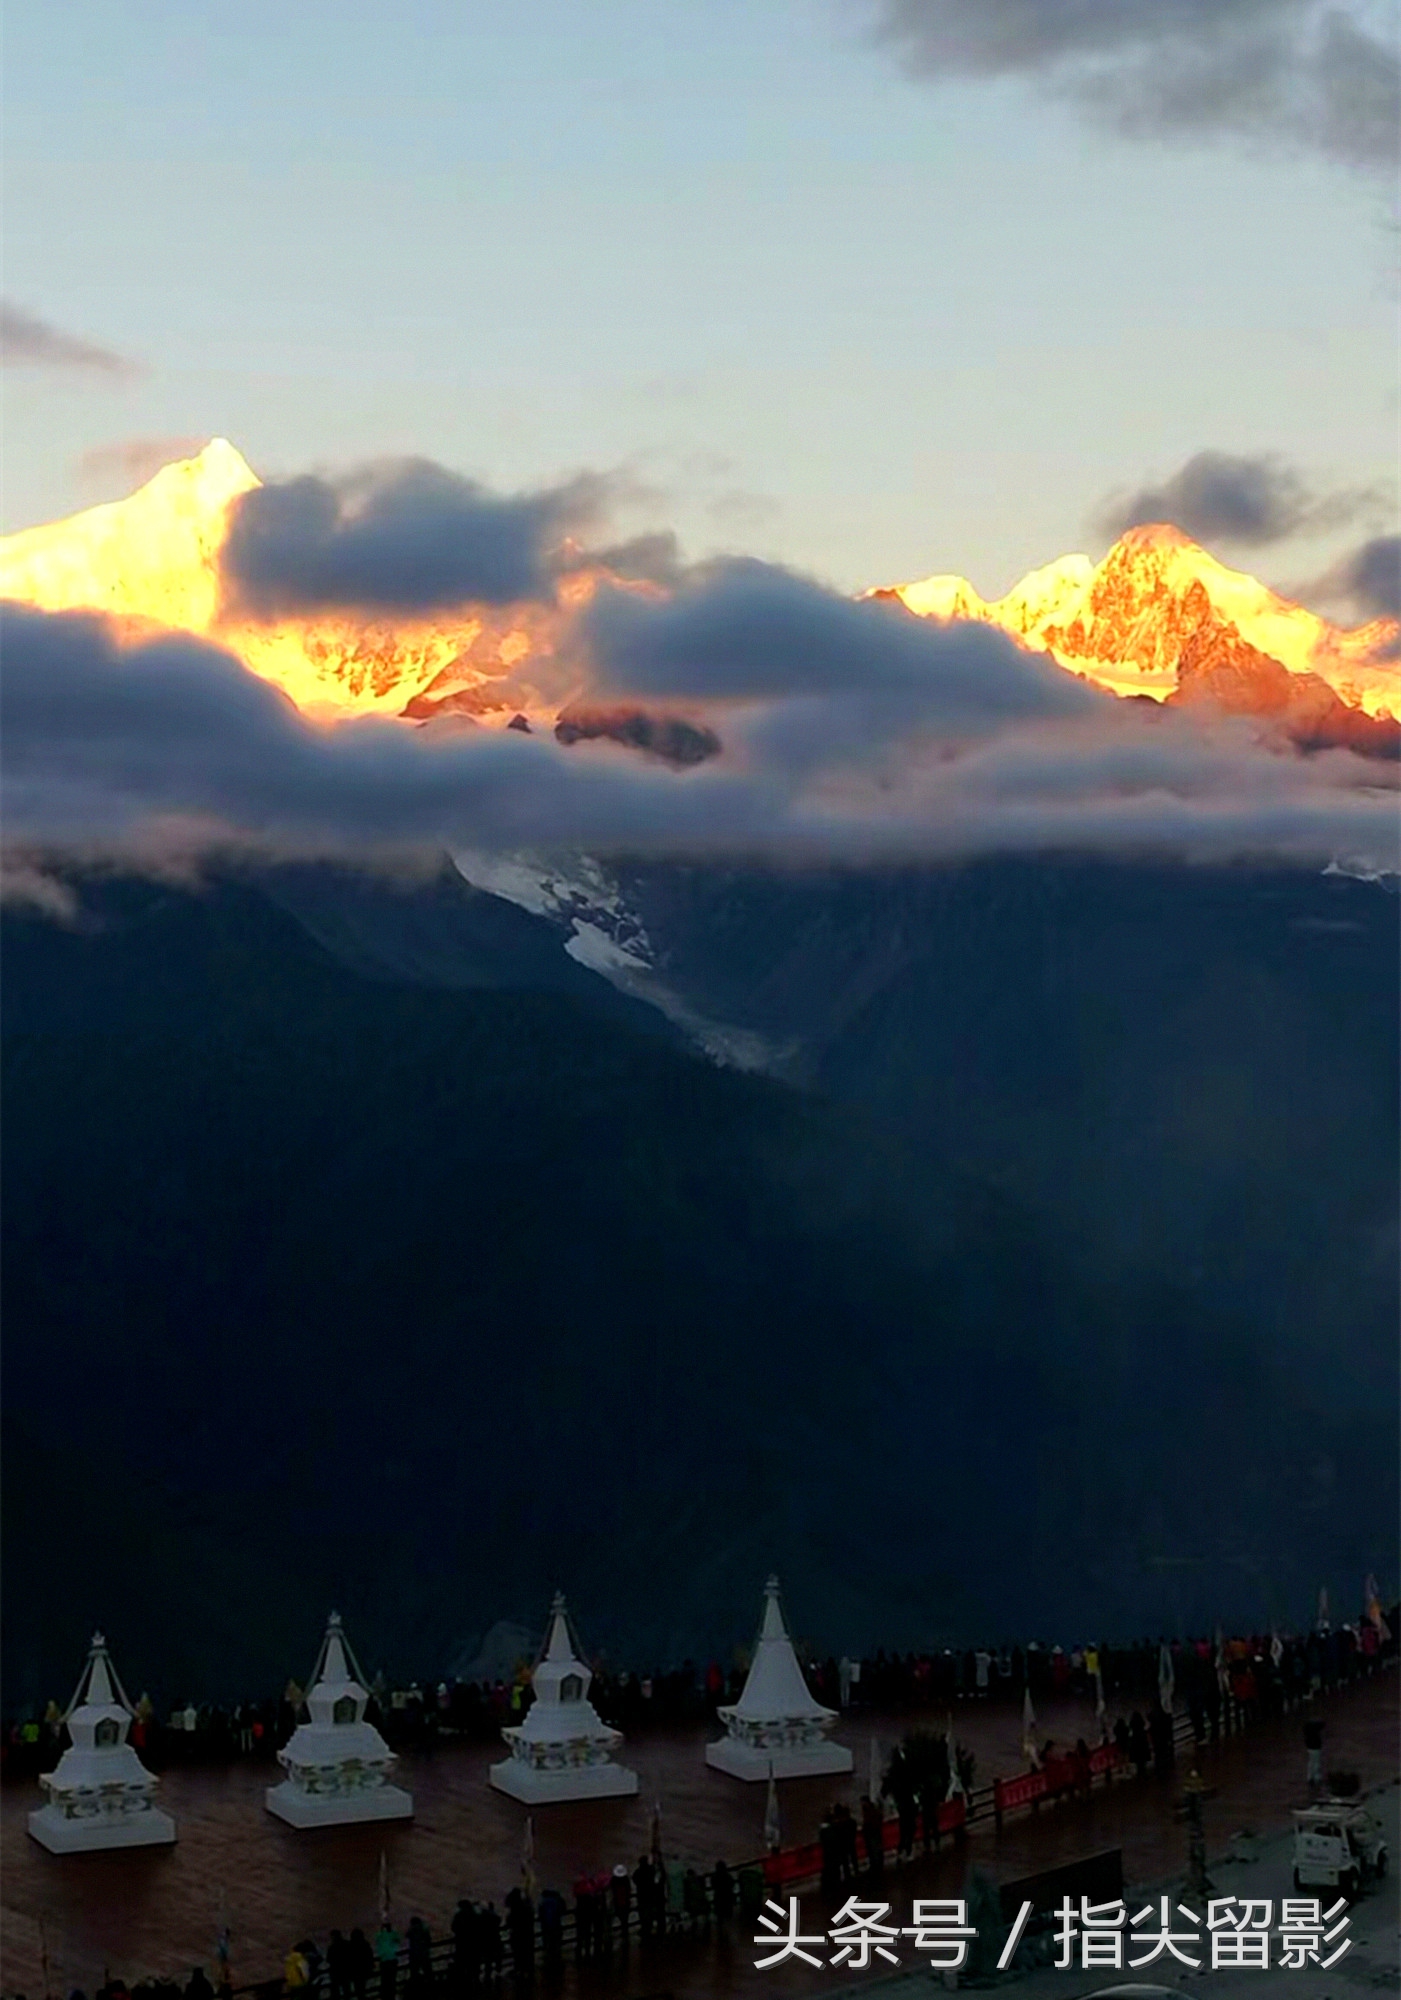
[153, 556]
[1125, 621]
[1157, 535]
[215, 475]
[154, 560]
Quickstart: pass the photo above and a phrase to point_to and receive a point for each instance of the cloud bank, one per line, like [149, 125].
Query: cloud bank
[1251, 501]
[1320, 75]
[742, 630]
[174, 745]
[1371, 577]
[406, 537]
[1363, 584]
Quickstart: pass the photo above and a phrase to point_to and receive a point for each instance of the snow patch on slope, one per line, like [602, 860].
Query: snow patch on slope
[578, 895]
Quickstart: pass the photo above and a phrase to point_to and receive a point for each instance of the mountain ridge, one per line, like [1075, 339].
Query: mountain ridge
[1125, 621]
[152, 561]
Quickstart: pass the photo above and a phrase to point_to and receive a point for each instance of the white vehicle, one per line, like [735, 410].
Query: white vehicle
[1337, 1845]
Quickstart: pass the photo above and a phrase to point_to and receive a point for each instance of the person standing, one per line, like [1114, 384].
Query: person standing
[420, 1959]
[848, 1845]
[387, 1959]
[621, 1892]
[360, 1962]
[1313, 1746]
[338, 1966]
[697, 1901]
[1139, 1748]
[583, 1919]
[828, 1836]
[873, 1835]
[520, 1928]
[489, 1931]
[722, 1890]
[552, 1929]
[466, 1947]
[642, 1884]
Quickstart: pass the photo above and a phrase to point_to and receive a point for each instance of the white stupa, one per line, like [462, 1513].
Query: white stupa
[101, 1794]
[564, 1748]
[337, 1764]
[776, 1727]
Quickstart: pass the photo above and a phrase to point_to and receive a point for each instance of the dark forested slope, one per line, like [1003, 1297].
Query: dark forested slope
[425, 1299]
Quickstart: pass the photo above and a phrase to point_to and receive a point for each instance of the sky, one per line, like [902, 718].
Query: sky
[871, 288]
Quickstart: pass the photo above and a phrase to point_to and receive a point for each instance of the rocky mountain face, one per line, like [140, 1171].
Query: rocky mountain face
[1217, 669]
[1158, 601]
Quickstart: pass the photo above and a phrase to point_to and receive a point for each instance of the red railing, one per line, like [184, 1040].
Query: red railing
[791, 1865]
[1058, 1776]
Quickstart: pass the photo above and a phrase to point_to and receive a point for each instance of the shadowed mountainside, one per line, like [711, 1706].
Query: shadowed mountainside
[324, 1282]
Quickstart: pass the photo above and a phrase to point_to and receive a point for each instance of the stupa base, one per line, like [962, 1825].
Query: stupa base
[355, 1809]
[100, 1836]
[542, 1788]
[742, 1760]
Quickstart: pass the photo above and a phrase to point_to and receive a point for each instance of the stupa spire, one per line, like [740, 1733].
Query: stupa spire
[98, 1685]
[336, 1663]
[559, 1645]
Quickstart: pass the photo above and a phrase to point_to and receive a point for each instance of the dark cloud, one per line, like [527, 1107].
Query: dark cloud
[26, 341]
[748, 631]
[1372, 574]
[1364, 584]
[129, 462]
[1220, 496]
[650, 558]
[406, 537]
[1309, 73]
[99, 743]
[172, 747]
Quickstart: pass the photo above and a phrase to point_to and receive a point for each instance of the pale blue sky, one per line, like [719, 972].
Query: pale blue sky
[868, 325]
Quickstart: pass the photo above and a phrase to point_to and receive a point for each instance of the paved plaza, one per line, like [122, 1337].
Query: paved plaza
[150, 1913]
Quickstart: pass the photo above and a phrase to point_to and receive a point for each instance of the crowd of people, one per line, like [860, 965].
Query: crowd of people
[1215, 1685]
[608, 1915]
[1220, 1682]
